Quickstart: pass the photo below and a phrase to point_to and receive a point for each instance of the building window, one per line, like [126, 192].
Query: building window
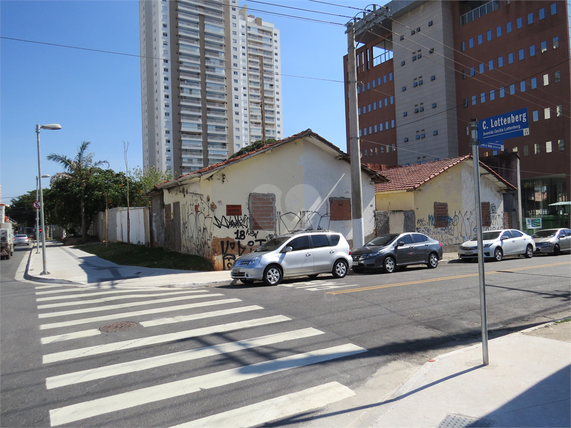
[489, 35]
[440, 214]
[555, 42]
[522, 86]
[509, 27]
[486, 214]
[462, 46]
[464, 76]
[498, 31]
[405, 114]
[526, 150]
[512, 89]
[501, 61]
[560, 145]
[471, 43]
[433, 77]
[547, 113]
[545, 79]
[491, 64]
[502, 92]
[435, 132]
[532, 50]
[492, 95]
[483, 97]
[405, 140]
[480, 39]
[340, 209]
[510, 58]
[481, 68]
[559, 110]
[430, 23]
[533, 82]
[557, 76]
[535, 115]
[519, 23]
[433, 105]
[529, 18]
[521, 54]
[553, 8]
[465, 102]
[541, 13]
[548, 147]
[536, 148]
[543, 47]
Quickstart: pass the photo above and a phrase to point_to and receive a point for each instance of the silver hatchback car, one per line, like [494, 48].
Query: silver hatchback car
[300, 253]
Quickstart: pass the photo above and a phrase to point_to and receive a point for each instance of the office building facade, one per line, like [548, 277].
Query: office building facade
[188, 82]
[430, 67]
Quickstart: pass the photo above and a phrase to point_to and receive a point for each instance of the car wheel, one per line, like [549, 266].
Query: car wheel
[247, 281]
[312, 276]
[272, 275]
[358, 270]
[389, 264]
[498, 254]
[529, 252]
[432, 261]
[556, 250]
[340, 268]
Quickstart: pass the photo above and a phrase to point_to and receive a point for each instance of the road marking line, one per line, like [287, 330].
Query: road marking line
[444, 278]
[114, 403]
[184, 318]
[79, 299]
[275, 409]
[134, 314]
[93, 292]
[121, 306]
[153, 340]
[175, 357]
[70, 336]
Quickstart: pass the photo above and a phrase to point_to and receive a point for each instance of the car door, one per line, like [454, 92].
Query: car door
[519, 241]
[404, 250]
[509, 245]
[323, 253]
[298, 261]
[565, 239]
[421, 247]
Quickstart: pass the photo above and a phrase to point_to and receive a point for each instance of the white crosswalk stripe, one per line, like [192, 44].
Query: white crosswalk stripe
[95, 372]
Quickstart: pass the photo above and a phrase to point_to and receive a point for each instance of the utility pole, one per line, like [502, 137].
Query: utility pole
[354, 144]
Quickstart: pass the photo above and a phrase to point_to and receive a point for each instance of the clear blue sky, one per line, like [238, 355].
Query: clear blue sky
[96, 96]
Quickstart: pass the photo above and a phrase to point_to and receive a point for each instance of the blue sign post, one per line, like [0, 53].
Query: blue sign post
[492, 131]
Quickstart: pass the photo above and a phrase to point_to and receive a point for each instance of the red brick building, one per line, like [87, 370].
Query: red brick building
[431, 66]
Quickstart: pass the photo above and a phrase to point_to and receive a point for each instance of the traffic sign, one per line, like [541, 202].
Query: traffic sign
[36, 205]
[494, 130]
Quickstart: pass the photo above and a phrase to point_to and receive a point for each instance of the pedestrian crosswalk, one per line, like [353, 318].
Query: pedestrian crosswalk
[209, 340]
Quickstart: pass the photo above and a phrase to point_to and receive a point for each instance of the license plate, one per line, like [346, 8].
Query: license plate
[469, 253]
[235, 270]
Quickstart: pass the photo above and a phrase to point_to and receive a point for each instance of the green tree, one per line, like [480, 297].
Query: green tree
[22, 211]
[149, 178]
[78, 172]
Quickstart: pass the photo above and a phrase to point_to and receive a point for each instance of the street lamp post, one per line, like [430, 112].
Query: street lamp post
[53, 126]
[38, 216]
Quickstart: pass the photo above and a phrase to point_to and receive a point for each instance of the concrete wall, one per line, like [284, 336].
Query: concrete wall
[294, 186]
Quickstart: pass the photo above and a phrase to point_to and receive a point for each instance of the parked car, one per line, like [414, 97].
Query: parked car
[21, 239]
[297, 254]
[552, 241]
[388, 252]
[499, 244]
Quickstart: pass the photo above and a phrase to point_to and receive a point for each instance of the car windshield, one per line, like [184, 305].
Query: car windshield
[381, 241]
[486, 236]
[272, 245]
[544, 233]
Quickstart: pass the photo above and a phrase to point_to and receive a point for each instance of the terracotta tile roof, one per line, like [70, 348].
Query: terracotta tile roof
[413, 176]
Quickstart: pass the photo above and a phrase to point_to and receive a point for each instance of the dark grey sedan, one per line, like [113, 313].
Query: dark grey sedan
[388, 252]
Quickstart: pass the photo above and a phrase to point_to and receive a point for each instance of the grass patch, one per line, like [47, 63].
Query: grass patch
[139, 255]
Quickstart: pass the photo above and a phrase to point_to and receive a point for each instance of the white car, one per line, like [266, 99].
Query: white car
[552, 241]
[499, 244]
[21, 239]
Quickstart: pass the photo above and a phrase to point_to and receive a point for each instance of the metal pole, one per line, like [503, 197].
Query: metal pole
[355, 151]
[44, 272]
[482, 281]
[37, 222]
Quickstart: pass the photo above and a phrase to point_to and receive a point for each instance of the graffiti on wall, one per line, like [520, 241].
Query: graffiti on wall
[197, 227]
[461, 226]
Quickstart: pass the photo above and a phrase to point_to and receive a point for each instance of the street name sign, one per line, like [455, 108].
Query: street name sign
[492, 131]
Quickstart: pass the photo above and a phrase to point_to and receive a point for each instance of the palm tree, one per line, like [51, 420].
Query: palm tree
[79, 170]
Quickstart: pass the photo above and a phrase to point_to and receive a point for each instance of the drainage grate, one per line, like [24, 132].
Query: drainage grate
[118, 326]
[456, 421]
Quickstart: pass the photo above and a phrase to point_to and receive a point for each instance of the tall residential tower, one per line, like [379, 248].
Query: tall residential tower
[210, 82]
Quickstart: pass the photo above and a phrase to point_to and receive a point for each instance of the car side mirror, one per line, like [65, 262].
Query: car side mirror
[504, 238]
[400, 244]
[287, 249]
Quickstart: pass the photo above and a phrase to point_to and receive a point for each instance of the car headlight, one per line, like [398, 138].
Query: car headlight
[488, 245]
[248, 262]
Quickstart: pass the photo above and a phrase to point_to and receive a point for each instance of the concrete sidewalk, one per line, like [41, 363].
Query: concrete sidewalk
[526, 384]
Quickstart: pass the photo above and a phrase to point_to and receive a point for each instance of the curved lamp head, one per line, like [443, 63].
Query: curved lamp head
[52, 126]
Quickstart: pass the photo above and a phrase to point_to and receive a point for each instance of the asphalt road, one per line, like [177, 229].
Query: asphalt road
[59, 368]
